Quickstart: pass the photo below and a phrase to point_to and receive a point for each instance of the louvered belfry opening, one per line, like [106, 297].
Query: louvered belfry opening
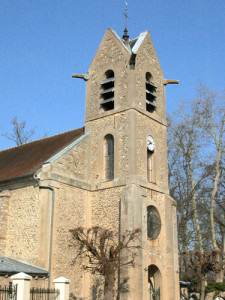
[109, 157]
[107, 92]
[150, 93]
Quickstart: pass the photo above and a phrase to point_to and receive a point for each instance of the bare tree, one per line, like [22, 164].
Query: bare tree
[104, 251]
[199, 265]
[210, 109]
[184, 145]
[19, 134]
[196, 165]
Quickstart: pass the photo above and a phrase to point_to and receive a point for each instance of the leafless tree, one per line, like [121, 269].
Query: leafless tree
[19, 134]
[184, 145]
[210, 109]
[104, 251]
[199, 265]
[196, 152]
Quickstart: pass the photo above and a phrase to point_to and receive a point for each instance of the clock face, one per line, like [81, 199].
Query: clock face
[150, 143]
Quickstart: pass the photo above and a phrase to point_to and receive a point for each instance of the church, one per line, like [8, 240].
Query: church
[113, 172]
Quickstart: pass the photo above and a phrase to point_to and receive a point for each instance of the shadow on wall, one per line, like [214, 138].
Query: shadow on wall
[123, 287]
[72, 297]
[97, 290]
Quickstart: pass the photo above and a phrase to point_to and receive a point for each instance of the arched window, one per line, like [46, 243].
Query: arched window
[150, 93]
[150, 167]
[109, 157]
[107, 92]
[153, 222]
[155, 281]
[150, 158]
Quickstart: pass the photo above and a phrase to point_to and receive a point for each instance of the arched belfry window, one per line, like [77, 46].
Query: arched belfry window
[107, 93]
[150, 92]
[109, 157]
[153, 222]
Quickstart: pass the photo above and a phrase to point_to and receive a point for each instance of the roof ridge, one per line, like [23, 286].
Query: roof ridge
[137, 43]
[120, 40]
[21, 262]
[44, 138]
[133, 39]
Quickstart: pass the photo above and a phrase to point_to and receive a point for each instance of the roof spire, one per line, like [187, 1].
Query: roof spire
[125, 35]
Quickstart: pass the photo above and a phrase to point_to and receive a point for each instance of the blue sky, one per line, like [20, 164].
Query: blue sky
[43, 42]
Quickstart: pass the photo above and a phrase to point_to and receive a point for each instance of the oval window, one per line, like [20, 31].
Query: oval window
[153, 222]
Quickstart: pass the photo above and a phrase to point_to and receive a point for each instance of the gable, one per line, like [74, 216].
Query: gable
[28, 158]
[112, 42]
[145, 51]
[111, 47]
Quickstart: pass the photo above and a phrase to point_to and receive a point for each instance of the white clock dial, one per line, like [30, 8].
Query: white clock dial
[150, 143]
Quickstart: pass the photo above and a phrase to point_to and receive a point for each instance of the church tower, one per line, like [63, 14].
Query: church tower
[127, 170]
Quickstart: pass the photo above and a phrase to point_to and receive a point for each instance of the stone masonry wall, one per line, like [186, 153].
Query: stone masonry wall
[71, 210]
[74, 162]
[4, 211]
[105, 212]
[147, 61]
[23, 224]
[116, 125]
[105, 208]
[163, 251]
[76, 207]
[158, 131]
[156, 247]
[110, 55]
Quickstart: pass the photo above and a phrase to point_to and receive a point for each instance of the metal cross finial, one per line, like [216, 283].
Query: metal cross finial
[126, 16]
[125, 36]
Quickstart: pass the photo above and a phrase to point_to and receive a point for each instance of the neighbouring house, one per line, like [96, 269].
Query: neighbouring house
[112, 172]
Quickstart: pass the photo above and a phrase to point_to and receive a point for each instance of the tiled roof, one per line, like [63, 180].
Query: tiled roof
[10, 266]
[28, 158]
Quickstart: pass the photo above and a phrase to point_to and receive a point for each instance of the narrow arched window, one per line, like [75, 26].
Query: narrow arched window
[150, 92]
[107, 93]
[150, 165]
[109, 157]
[150, 158]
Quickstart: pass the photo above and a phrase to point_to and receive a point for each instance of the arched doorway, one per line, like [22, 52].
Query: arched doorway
[154, 280]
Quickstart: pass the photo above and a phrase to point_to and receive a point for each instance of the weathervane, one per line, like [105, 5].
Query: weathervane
[125, 36]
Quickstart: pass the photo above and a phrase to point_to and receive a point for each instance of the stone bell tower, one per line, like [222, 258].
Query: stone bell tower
[128, 172]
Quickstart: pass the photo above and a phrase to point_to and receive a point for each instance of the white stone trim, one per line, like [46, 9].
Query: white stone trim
[120, 40]
[61, 280]
[21, 276]
[139, 41]
[62, 284]
[22, 281]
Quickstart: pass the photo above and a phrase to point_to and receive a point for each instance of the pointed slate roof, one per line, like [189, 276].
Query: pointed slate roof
[134, 44]
[28, 158]
[10, 266]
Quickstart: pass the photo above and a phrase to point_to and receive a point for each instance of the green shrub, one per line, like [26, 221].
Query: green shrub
[215, 286]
